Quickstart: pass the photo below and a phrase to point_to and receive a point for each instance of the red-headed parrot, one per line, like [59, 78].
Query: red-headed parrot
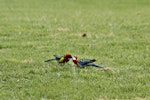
[85, 62]
[61, 59]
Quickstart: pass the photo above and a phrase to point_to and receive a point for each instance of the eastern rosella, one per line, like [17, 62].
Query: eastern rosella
[61, 59]
[83, 63]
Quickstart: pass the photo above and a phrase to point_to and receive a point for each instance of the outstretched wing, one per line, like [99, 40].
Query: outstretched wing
[57, 58]
[87, 60]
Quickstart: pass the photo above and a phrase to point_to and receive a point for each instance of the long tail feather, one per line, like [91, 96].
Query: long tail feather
[95, 65]
[49, 60]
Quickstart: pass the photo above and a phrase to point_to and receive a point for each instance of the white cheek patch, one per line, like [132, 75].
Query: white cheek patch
[73, 58]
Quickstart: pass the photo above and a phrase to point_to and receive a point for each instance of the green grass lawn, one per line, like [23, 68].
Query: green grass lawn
[118, 37]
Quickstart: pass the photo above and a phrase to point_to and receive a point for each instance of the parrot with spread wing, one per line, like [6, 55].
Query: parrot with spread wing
[61, 59]
[85, 62]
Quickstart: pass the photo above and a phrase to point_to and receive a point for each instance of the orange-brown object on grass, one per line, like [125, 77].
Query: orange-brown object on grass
[106, 69]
